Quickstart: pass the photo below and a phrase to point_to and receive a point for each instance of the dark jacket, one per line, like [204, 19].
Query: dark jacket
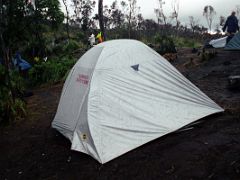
[231, 24]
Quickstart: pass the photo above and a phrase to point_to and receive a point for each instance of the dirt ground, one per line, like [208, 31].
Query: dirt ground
[31, 149]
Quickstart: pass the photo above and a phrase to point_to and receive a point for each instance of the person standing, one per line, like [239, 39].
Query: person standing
[231, 25]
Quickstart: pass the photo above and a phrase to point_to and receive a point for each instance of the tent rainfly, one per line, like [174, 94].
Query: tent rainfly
[120, 95]
[234, 43]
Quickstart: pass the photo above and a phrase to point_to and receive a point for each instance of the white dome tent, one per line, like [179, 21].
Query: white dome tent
[120, 95]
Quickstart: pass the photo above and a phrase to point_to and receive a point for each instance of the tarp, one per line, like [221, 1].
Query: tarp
[219, 43]
[122, 94]
[234, 43]
[24, 65]
[21, 63]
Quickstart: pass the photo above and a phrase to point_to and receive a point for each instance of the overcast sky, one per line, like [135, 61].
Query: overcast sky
[186, 8]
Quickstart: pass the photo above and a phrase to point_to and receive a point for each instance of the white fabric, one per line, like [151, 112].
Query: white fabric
[92, 39]
[219, 43]
[121, 108]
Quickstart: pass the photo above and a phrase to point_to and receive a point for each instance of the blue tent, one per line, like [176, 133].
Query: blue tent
[234, 43]
[23, 65]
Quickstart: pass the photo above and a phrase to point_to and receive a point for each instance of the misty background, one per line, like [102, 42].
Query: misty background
[186, 8]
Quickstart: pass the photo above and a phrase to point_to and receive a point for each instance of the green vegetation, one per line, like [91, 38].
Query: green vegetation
[186, 42]
[12, 106]
[51, 71]
[37, 30]
[23, 26]
[164, 44]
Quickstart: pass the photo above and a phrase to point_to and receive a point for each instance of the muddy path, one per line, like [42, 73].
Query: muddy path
[210, 150]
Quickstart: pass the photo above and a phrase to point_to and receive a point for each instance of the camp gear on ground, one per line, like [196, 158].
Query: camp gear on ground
[99, 37]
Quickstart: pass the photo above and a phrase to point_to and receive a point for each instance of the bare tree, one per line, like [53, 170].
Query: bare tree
[117, 16]
[77, 5]
[175, 13]
[82, 12]
[132, 15]
[238, 13]
[193, 23]
[107, 12]
[67, 16]
[159, 13]
[139, 23]
[222, 20]
[100, 15]
[124, 7]
[209, 14]
[217, 29]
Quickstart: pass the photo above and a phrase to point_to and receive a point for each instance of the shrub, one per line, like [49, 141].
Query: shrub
[51, 71]
[80, 36]
[67, 47]
[164, 44]
[12, 106]
[186, 42]
[71, 46]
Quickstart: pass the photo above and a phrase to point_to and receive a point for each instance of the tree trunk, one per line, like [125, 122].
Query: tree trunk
[130, 20]
[100, 15]
[129, 25]
[67, 23]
